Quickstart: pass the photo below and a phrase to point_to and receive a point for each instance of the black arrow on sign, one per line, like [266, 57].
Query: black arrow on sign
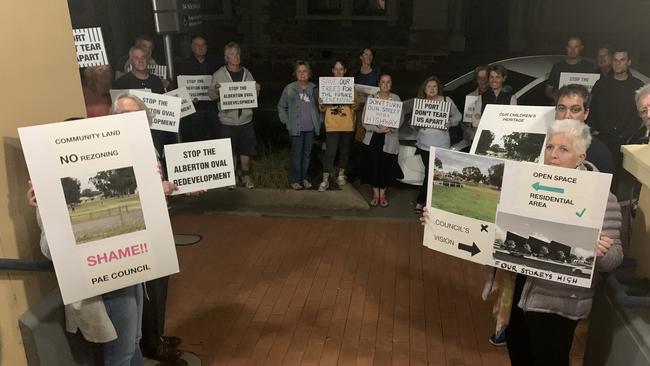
[469, 248]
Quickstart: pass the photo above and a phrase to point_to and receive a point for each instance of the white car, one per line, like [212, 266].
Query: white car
[526, 75]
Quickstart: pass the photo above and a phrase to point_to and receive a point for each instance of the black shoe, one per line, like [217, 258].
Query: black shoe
[164, 353]
[171, 341]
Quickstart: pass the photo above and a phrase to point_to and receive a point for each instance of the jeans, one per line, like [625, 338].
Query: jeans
[300, 156]
[336, 142]
[124, 308]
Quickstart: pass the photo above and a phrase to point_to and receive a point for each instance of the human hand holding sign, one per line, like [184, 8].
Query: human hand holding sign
[31, 196]
[383, 129]
[604, 243]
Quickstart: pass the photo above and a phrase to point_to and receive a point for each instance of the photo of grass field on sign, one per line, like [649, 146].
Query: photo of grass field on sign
[465, 184]
[103, 204]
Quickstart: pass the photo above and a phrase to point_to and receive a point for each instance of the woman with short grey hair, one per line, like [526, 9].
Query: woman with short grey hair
[544, 314]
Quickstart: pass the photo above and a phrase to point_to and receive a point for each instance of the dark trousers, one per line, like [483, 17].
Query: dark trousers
[153, 314]
[300, 156]
[422, 195]
[537, 339]
[336, 142]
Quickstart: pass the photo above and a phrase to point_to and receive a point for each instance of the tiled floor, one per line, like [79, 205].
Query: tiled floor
[291, 291]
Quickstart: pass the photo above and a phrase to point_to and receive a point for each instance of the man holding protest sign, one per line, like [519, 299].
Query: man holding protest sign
[140, 78]
[572, 102]
[573, 63]
[204, 124]
[236, 124]
[435, 135]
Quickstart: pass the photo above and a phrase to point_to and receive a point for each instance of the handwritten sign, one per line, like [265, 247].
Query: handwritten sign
[166, 110]
[336, 90]
[430, 114]
[194, 166]
[89, 44]
[101, 202]
[470, 103]
[586, 79]
[187, 107]
[383, 112]
[197, 85]
[238, 95]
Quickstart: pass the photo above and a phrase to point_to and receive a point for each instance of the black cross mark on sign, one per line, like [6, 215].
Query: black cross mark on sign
[484, 228]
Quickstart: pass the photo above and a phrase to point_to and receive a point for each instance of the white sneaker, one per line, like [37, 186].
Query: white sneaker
[248, 182]
[306, 184]
[322, 187]
[295, 186]
[341, 180]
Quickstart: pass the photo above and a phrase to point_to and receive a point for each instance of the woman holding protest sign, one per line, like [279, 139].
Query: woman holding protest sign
[544, 314]
[379, 166]
[339, 125]
[497, 93]
[431, 90]
[298, 111]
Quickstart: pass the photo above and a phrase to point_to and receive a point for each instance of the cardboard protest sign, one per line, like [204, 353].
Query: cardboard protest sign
[187, 107]
[197, 85]
[201, 165]
[366, 89]
[101, 202]
[158, 70]
[115, 92]
[238, 95]
[430, 114]
[464, 191]
[581, 78]
[336, 90]
[89, 44]
[513, 132]
[383, 112]
[166, 110]
[549, 222]
[533, 219]
[470, 103]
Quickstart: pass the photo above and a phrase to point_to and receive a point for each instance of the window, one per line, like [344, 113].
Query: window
[369, 7]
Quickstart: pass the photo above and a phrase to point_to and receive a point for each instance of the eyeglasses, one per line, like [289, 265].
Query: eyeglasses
[573, 109]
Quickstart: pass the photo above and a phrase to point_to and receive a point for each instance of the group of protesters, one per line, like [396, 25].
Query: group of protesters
[543, 316]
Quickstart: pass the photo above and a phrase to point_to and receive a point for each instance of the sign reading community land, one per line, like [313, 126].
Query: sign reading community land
[533, 219]
[238, 95]
[468, 113]
[166, 110]
[513, 132]
[383, 112]
[187, 107]
[89, 44]
[586, 79]
[336, 90]
[202, 165]
[101, 202]
[197, 85]
[430, 114]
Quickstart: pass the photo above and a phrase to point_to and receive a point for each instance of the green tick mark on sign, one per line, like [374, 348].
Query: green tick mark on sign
[538, 187]
[579, 214]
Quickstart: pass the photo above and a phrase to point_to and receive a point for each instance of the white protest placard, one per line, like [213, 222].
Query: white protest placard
[430, 114]
[468, 112]
[384, 112]
[537, 220]
[89, 44]
[366, 89]
[513, 132]
[336, 90]
[101, 202]
[462, 204]
[581, 78]
[187, 107]
[200, 165]
[549, 220]
[158, 70]
[165, 108]
[238, 95]
[197, 85]
[115, 92]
